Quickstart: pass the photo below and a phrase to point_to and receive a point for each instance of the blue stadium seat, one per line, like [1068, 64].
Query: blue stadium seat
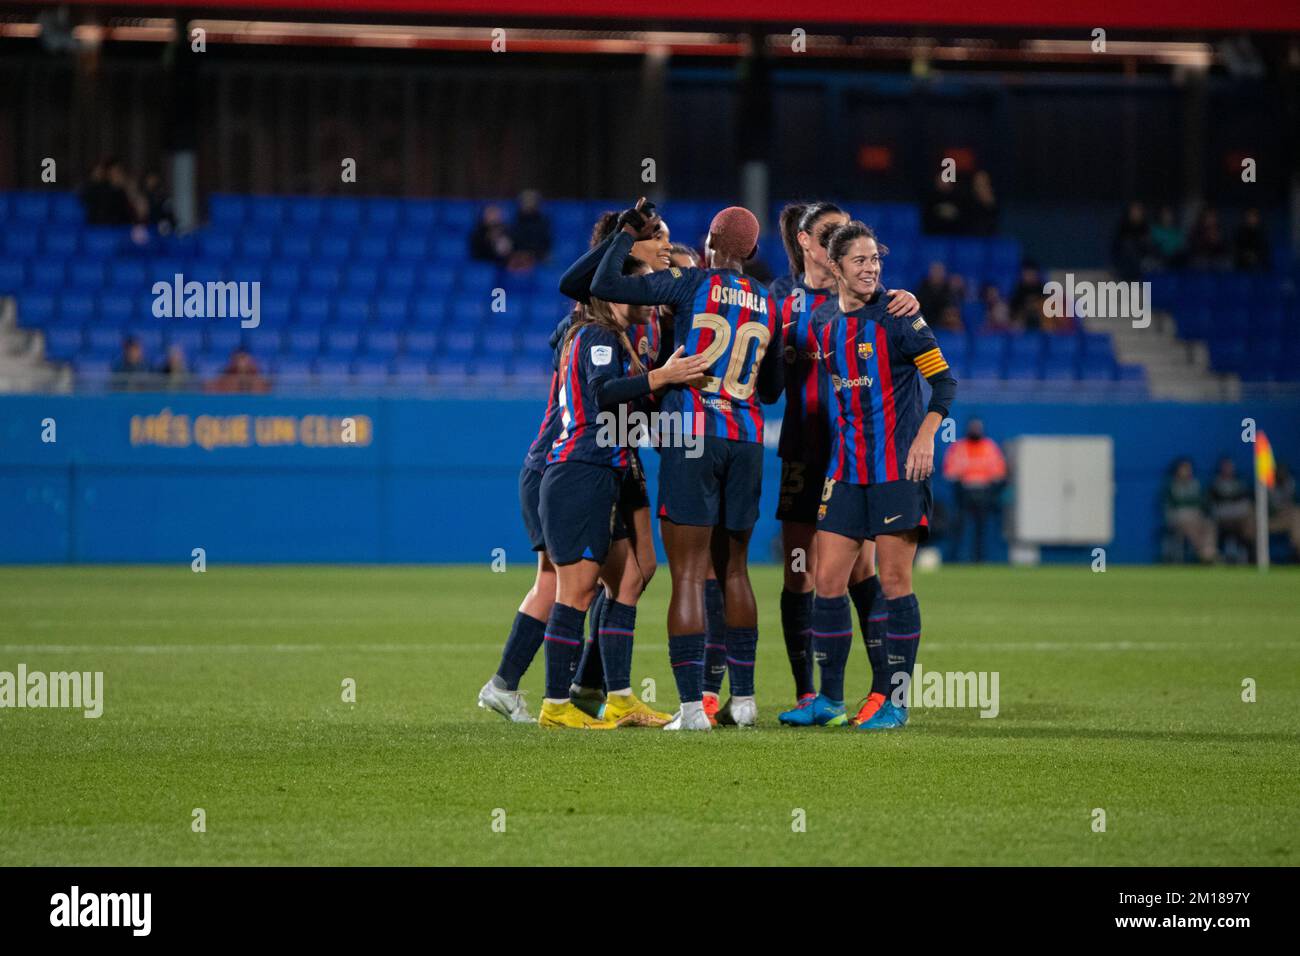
[410, 371]
[35, 309]
[102, 242]
[383, 214]
[1066, 346]
[437, 278]
[1059, 368]
[216, 244]
[312, 309]
[500, 343]
[370, 372]
[397, 279]
[266, 210]
[47, 273]
[491, 368]
[263, 345]
[283, 276]
[21, 242]
[334, 247]
[66, 208]
[343, 212]
[302, 340]
[86, 274]
[243, 270]
[188, 338]
[380, 342]
[1097, 345]
[31, 208]
[321, 277]
[1026, 348]
[374, 248]
[256, 245]
[1097, 368]
[226, 210]
[306, 212]
[102, 339]
[414, 248]
[13, 275]
[76, 308]
[93, 372]
[62, 342]
[390, 311]
[352, 310]
[291, 372]
[361, 278]
[297, 245]
[332, 372]
[419, 343]
[342, 341]
[276, 309]
[223, 338]
[459, 342]
[116, 307]
[420, 214]
[60, 242]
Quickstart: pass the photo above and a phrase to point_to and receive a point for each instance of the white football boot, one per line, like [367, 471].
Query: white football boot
[738, 712]
[508, 703]
[690, 717]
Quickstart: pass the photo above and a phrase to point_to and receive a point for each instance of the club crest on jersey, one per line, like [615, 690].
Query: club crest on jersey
[601, 354]
[865, 350]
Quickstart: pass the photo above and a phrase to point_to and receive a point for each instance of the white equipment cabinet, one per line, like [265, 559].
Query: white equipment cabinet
[1064, 489]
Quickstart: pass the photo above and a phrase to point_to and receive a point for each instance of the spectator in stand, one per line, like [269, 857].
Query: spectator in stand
[241, 375]
[490, 241]
[984, 206]
[944, 213]
[933, 292]
[997, 313]
[1284, 513]
[1251, 242]
[94, 195]
[1185, 519]
[1028, 299]
[950, 319]
[131, 371]
[1167, 238]
[175, 370]
[976, 467]
[1132, 250]
[1232, 511]
[158, 204]
[1206, 248]
[531, 233]
[125, 205]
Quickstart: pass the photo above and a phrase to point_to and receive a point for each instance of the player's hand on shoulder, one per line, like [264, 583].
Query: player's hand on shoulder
[680, 369]
[902, 303]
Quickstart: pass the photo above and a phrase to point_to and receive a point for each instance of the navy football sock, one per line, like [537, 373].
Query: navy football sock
[869, 599]
[742, 647]
[796, 616]
[902, 638]
[715, 640]
[563, 645]
[686, 654]
[590, 670]
[832, 636]
[521, 647]
[616, 644]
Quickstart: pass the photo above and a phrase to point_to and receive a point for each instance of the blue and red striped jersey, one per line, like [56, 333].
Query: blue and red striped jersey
[645, 340]
[875, 362]
[593, 355]
[550, 427]
[806, 425]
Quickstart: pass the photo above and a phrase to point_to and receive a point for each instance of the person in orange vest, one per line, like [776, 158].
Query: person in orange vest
[976, 466]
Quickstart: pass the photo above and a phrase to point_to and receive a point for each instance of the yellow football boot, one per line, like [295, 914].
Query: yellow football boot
[566, 716]
[628, 710]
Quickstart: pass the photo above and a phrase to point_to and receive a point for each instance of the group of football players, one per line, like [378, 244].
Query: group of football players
[707, 346]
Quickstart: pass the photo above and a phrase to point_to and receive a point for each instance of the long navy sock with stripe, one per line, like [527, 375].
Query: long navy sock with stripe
[832, 636]
[902, 638]
[616, 630]
[521, 647]
[686, 654]
[869, 599]
[715, 637]
[590, 673]
[563, 645]
[796, 616]
[742, 648]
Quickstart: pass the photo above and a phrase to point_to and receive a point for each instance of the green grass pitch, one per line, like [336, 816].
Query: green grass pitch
[1120, 690]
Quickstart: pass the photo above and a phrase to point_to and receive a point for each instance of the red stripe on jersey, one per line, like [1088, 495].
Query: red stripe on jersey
[574, 389]
[551, 398]
[840, 422]
[851, 363]
[887, 398]
[733, 426]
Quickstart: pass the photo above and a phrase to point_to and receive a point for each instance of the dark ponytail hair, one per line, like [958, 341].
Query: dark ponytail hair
[797, 218]
[606, 224]
[837, 241]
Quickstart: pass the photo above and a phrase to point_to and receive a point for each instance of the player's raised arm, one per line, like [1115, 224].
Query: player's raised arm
[576, 281]
[675, 287]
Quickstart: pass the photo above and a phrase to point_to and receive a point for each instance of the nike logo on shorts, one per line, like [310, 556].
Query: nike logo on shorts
[893, 519]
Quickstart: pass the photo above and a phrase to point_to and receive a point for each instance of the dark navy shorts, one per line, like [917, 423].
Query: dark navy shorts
[865, 511]
[530, 491]
[801, 491]
[721, 486]
[578, 506]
